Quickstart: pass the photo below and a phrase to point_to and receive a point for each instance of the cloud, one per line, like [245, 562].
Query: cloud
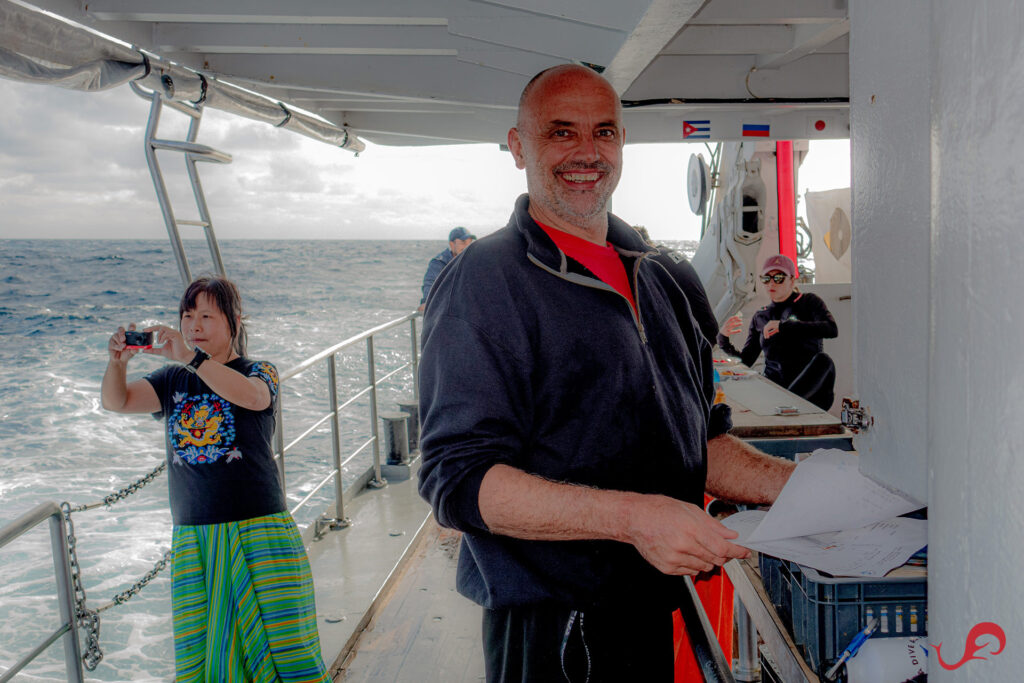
[72, 164]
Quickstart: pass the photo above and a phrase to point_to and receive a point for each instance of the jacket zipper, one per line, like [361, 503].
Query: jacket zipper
[636, 293]
[585, 281]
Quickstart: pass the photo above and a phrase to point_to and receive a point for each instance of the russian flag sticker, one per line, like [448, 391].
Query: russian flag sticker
[697, 129]
[756, 130]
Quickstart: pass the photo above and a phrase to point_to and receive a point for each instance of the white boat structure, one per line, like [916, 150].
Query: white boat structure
[928, 94]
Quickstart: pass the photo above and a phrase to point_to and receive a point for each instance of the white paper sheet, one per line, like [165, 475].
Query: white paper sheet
[827, 493]
[869, 551]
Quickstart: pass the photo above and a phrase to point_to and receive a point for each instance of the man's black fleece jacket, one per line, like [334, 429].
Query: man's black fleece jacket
[530, 361]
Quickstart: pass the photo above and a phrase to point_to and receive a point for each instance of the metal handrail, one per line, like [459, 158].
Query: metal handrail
[65, 591]
[330, 351]
[329, 356]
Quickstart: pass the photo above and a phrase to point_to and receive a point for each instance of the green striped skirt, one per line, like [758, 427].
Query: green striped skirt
[242, 600]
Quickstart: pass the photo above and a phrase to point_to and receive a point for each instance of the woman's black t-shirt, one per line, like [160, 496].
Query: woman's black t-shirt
[219, 460]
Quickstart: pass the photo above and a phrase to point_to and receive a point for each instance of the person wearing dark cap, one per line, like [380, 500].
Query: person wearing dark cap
[790, 331]
[458, 239]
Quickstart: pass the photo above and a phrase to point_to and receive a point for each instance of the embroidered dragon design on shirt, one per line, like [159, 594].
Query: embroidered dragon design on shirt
[202, 429]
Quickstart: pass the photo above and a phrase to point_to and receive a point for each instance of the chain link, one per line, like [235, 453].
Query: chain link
[126, 595]
[89, 619]
[123, 493]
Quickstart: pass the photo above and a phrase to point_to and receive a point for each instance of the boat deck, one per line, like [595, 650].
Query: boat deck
[424, 630]
[385, 592]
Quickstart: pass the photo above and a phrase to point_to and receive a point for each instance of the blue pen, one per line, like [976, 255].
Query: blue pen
[852, 648]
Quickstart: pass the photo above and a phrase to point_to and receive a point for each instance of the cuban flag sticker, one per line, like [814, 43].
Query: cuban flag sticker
[700, 130]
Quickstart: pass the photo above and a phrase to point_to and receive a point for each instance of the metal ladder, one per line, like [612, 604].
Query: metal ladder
[193, 152]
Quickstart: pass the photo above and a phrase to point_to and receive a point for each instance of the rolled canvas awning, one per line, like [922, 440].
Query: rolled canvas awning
[44, 48]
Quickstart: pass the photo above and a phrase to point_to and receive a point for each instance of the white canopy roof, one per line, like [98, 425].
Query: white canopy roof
[415, 72]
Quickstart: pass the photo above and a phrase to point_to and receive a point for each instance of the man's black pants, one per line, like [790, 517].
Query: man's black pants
[552, 644]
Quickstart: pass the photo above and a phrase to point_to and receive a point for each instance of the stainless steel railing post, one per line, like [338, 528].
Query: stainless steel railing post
[279, 435]
[65, 590]
[746, 667]
[66, 598]
[339, 496]
[378, 481]
[415, 361]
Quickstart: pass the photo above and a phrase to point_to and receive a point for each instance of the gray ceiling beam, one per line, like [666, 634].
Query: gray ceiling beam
[662, 21]
[512, 61]
[325, 107]
[770, 12]
[127, 31]
[439, 127]
[730, 40]
[407, 12]
[442, 79]
[807, 39]
[744, 40]
[318, 39]
[565, 39]
[722, 76]
[622, 16]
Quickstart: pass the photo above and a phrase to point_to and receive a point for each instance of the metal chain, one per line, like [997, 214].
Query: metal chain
[126, 595]
[123, 493]
[89, 619]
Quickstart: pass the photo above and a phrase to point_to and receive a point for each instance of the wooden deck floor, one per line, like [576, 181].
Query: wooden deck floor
[425, 631]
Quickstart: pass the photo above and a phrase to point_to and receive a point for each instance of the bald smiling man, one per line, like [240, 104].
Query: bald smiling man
[568, 425]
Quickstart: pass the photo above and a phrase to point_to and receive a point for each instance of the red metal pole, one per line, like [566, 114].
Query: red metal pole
[786, 183]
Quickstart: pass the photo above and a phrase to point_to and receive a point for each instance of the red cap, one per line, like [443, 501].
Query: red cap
[781, 263]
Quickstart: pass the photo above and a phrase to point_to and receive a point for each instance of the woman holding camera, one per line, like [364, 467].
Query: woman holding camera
[790, 331]
[241, 587]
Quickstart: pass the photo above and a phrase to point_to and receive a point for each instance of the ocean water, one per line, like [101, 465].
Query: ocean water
[60, 300]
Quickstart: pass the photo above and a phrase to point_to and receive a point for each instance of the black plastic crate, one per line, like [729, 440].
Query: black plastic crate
[828, 612]
[777, 586]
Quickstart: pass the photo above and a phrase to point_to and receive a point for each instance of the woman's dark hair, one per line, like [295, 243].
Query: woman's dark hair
[224, 294]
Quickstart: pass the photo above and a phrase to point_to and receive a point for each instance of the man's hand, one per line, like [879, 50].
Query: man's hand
[679, 538]
[675, 537]
[771, 329]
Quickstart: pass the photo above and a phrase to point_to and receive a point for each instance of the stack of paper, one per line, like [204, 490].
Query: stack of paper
[832, 518]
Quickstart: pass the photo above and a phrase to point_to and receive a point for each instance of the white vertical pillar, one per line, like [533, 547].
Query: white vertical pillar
[976, 397]
[891, 212]
[938, 208]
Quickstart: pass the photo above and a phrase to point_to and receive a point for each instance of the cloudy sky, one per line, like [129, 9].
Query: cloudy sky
[72, 165]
